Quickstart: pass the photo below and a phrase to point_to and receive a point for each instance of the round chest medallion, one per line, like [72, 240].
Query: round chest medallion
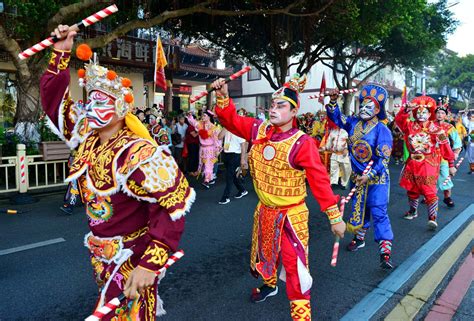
[269, 152]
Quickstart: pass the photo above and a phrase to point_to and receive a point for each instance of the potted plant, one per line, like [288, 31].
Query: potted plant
[51, 147]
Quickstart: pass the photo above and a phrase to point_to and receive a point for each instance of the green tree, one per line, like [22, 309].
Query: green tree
[25, 23]
[401, 33]
[456, 72]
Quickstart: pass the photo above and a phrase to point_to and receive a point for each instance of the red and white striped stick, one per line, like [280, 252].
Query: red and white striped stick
[84, 23]
[341, 92]
[335, 251]
[349, 196]
[115, 302]
[456, 166]
[231, 77]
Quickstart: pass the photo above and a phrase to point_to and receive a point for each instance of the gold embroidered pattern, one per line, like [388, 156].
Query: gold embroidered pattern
[52, 61]
[135, 188]
[135, 235]
[157, 255]
[178, 196]
[299, 222]
[360, 132]
[63, 63]
[222, 101]
[277, 183]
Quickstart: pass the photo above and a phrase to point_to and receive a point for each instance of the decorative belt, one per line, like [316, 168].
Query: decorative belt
[108, 249]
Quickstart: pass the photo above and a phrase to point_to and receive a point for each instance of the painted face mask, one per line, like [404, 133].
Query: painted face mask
[422, 114]
[100, 109]
[367, 109]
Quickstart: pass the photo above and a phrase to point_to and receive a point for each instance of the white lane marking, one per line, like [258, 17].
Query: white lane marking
[31, 246]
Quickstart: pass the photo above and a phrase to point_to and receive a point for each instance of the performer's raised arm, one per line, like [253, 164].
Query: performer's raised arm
[54, 89]
[403, 118]
[334, 113]
[225, 109]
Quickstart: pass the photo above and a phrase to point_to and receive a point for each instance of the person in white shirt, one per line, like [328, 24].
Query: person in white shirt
[340, 163]
[235, 155]
[180, 128]
[468, 121]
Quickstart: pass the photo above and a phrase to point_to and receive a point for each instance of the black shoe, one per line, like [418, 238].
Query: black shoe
[355, 245]
[342, 187]
[206, 185]
[67, 209]
[386, 262]
[241, 194]
[448, 201]
[224, 201]
[262, 293]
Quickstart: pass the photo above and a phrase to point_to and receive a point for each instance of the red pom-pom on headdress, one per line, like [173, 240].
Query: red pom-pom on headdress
[84, 52]
[81, 73]
[126, 82]
[111, 75]
[128, 98]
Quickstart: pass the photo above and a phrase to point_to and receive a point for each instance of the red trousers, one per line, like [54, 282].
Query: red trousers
[289, 261]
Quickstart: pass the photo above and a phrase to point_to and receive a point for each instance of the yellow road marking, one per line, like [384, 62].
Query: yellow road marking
[412, 303]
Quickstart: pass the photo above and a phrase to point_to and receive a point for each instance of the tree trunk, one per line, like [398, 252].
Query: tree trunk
[346, 106]
[28, 108]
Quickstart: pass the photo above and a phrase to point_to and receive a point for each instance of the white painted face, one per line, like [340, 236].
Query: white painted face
[422, 114]
[280, 112]
[100, 109]
[367, 109]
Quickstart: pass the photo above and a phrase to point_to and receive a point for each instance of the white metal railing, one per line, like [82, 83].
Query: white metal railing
[30, 172]
[45, 173]
[8, 177]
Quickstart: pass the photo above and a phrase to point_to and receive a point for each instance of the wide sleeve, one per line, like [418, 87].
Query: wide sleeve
[159, 182]
[65, 119]
[402, 120]
[334, 114]
[236, 124]
[383, 150]
[318, 179]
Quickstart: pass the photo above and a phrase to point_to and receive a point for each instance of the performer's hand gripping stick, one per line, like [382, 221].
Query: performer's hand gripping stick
[231, 77]
[456, 166]
[76, 27]
[115, 302]
[349, 196]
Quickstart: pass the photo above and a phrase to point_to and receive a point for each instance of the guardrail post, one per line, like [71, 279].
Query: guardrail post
[22, 168]
[22, 177]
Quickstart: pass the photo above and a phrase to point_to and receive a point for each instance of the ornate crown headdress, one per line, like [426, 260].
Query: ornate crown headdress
[291, 89]
[98, 78]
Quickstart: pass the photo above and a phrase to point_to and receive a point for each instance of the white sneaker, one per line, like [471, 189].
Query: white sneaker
[224, 201]
[241, 194]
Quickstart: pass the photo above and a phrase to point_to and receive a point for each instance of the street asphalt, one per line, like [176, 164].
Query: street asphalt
[211, 282]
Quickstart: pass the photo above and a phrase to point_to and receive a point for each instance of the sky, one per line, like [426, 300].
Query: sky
[462, 40]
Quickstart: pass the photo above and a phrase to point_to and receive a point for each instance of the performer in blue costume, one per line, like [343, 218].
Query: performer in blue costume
[369, 139]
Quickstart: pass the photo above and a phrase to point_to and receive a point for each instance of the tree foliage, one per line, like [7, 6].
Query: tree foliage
[396, 33]
[456, 72]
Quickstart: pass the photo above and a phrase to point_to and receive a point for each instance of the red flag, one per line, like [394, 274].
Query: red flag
[322, 89]
[160, 64]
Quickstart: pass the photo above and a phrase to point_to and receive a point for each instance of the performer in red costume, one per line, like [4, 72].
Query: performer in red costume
[426, 143]
[134, 194]
[280, 161]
